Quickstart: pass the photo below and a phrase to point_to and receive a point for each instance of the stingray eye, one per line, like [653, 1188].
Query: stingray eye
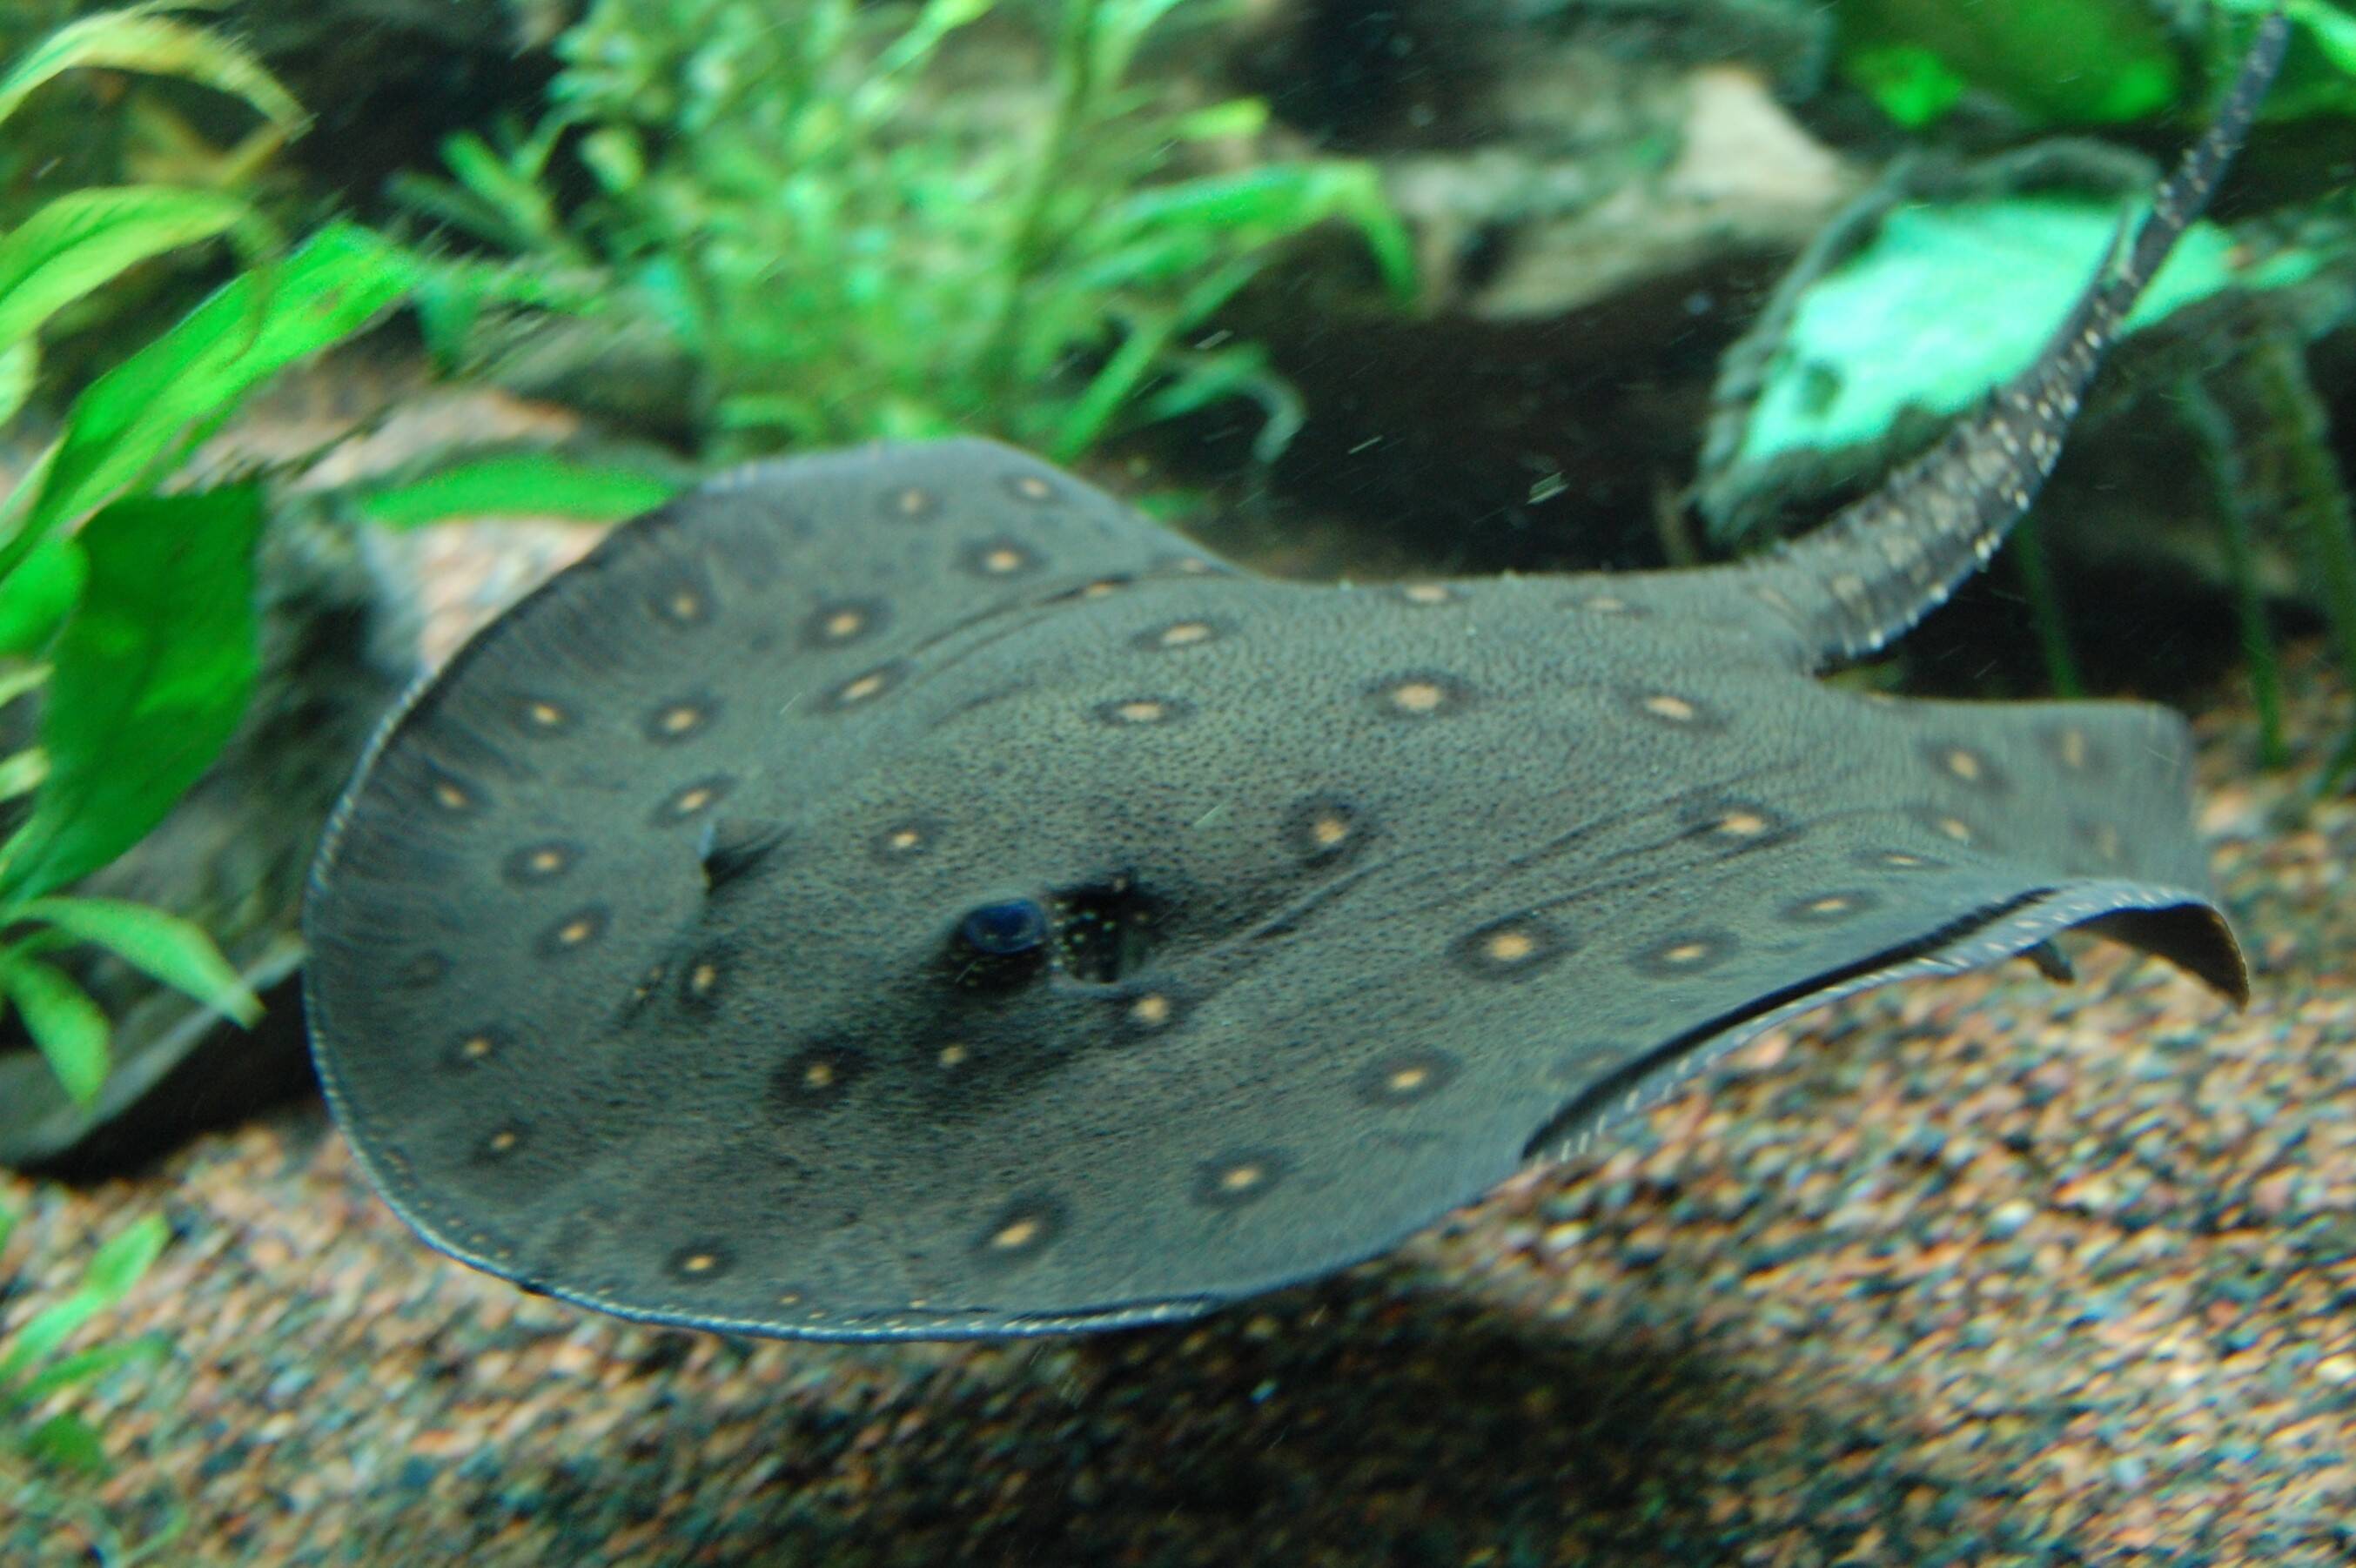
[1003, 930]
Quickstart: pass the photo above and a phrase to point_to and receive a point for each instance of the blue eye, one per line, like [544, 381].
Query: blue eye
[1017, 925]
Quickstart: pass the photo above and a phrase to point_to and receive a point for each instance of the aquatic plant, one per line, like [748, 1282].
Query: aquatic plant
[34, 1367]
[841, 240]
[133, 611]
[1810, 401]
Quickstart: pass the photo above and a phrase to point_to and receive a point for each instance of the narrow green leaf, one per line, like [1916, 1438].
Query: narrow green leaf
[8, 1217]
[150, 676]
[179, 389]
[115, 1268]
[66, 1440]
[124, 1258]
[21, 773]
[36, 598]
[65, 1024]
[20, 365]
[537, 485]
[164, 945]
[81, 240]
[136, 39]
[88, 1366]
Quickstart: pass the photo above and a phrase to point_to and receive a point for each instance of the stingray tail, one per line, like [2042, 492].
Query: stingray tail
[1891, 558]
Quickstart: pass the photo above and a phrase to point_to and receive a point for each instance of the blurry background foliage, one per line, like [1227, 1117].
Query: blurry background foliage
[836, 220]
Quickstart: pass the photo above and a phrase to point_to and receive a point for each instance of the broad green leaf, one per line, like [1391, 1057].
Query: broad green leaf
[81, 240]
[179, 389]
[538, 485]
[36, 598]
[66, 1025]
[163, 945]
[1834, 381]
[136, 39]
[2073, 62]
[150, 676]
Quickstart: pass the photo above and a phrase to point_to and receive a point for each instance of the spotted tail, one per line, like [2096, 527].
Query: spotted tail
[1890, 559]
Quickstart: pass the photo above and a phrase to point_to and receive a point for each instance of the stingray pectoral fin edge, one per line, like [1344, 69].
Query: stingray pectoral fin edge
[2187, 929]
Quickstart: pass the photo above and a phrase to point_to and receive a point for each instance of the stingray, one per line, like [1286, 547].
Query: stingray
[903, 893]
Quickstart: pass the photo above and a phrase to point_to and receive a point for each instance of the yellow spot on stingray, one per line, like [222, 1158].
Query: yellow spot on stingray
[574, 932]
[693, 800]
[547, 715]
[1002, 559]
[1152, 1011]
[1604, 604]
[1676, 709]
[679, 719]
[1957, 828]
[1017, 1234]
[1742, 824]
[1425, 593]
[1098, 590]
[1965, 766]
[1328, 830]
[1030, 487]
[1143, 711]
[1242, 1177]
[1419, 697]
[1408, 1080]
[2074, 749]
[475, 1046]
[913, 502]
[503, 1140]
[703, 977]
[865, 686]
[818, 1075]
[1686, 952]
[1831, 903]
[697, 1263]
[1509, 946]
[451, 797]
[685, 605]
[952, 1054]
[844, 623]
[1185, 633]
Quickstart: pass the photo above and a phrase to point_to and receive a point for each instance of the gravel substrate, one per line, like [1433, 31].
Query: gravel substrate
[1981, 1271]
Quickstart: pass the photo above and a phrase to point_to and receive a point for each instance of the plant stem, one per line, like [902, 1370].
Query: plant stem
[2219, 451]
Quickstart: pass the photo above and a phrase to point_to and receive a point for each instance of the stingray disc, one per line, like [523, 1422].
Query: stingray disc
[904, 893]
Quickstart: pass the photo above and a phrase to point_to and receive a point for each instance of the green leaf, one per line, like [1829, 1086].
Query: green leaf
[164, 945]
[179, 389]
[67, 1441]
[65, 1024]
[536, 485]
[20, 363]
[36, 598]
[136, 39]
[88, 1366]
[124, 1258]
[118, 1265]
[149, 679]
[81, 240]
[1836, 382]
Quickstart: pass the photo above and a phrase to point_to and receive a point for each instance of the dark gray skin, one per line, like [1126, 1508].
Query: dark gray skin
[643, 967]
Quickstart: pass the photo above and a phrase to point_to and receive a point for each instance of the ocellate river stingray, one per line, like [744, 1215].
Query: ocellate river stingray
[904, 893]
